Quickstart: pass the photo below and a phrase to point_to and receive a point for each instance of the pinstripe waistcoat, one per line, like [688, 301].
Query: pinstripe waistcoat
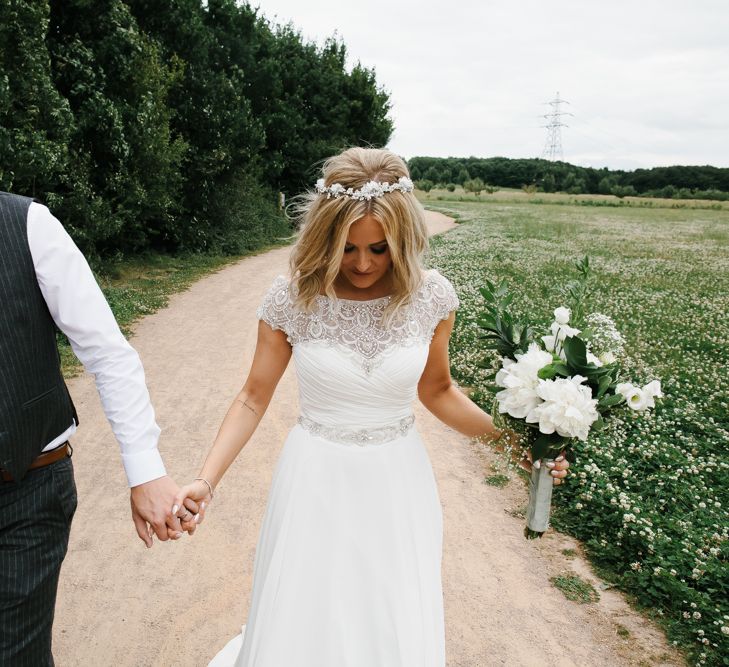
[35, 406]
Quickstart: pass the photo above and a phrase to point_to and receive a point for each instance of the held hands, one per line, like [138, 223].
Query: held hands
[151, 503]
[195, 497]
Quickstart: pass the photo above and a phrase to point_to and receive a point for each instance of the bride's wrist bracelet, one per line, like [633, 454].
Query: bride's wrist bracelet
[210, 486]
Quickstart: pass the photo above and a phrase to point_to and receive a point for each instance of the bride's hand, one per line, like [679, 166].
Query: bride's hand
[199, 493]
[558, 467]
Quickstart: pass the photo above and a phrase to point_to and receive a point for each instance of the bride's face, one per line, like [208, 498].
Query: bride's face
[366, 260]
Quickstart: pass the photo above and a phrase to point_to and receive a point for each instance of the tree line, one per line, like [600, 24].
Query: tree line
[701, 182]
[172, 125]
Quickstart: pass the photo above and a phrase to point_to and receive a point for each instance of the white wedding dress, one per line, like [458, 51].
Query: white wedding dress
[347, 571]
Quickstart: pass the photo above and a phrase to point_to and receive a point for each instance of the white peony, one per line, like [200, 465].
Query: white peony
[561, 315]
[520, 381]
[567, 408]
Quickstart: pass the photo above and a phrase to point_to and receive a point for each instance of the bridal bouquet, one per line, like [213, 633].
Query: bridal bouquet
[556, 388]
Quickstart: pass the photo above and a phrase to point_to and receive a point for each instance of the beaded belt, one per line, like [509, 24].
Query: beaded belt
[360, 437]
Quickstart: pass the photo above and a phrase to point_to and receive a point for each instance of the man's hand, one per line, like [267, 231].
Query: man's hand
[151, 504]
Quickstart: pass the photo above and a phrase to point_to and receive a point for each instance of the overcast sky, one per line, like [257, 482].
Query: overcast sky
[646, 80]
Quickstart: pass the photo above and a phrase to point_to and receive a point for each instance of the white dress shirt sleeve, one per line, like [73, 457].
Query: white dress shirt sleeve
[80, 310]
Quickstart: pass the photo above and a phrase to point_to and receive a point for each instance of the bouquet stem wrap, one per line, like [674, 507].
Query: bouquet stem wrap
[541, 485]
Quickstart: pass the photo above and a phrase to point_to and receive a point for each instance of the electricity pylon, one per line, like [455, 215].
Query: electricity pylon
[553, 146]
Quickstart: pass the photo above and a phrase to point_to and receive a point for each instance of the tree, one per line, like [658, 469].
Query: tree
[606, 185]
[36, 122]
[432, 174]
[125, 169]
[621, 191]
[475, 185]
[425, 185]
[549, 183]
[463, 176]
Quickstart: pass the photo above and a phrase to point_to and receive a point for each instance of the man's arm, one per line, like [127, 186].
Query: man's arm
[80, 310]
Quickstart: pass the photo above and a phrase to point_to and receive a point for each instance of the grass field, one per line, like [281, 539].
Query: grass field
[648, 497]
[510, 195]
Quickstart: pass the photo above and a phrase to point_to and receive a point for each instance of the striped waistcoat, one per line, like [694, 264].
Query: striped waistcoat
[35, 406]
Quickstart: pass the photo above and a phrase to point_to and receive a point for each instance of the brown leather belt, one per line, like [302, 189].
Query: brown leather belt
[43, 459]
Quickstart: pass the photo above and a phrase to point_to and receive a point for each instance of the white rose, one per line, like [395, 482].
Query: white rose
[561, 315]
[520, 381]
[567, 408]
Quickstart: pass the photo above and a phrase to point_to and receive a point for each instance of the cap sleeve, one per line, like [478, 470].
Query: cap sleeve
[275, 309]
[441, 295]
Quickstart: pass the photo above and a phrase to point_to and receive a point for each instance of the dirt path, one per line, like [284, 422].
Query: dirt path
[178, 603]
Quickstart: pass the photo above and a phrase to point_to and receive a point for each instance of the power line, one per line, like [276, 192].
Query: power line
[553, 146]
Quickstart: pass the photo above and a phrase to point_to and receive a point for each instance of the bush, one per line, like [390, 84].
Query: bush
[621, 191]
[475, 185]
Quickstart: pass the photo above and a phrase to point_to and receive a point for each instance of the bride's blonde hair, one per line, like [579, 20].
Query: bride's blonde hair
[325, 222]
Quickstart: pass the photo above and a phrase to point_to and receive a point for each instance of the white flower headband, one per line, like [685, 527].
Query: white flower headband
[368, 191]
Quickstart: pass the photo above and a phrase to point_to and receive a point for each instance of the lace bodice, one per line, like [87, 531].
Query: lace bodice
[358, 325]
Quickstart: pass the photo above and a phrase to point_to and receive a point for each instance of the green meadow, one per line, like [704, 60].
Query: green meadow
[648, 496]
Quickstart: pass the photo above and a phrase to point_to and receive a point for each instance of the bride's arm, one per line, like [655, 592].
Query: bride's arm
[437, 392]
[270, 359]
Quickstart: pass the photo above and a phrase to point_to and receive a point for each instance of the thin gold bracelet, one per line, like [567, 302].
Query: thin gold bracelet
[210, 486]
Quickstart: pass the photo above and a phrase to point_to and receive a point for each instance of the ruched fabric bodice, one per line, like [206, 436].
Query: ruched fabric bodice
[354, 372]
[334, 390]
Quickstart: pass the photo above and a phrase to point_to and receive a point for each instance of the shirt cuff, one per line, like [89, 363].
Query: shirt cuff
[144, 466]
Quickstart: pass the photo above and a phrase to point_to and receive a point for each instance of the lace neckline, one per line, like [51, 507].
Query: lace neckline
[325, 297]
[358, 325]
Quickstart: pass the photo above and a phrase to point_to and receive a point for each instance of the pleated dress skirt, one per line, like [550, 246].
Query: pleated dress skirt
[347, 571]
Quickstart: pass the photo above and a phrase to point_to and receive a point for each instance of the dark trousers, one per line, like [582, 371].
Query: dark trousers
[35, 521]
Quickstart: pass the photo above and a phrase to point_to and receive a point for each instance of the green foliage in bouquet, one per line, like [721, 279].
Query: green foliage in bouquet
[504, 335]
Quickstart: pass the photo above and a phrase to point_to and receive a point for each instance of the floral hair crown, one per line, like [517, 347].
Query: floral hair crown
[368, 191]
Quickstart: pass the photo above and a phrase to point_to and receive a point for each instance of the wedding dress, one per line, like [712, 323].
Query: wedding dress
[347, 571]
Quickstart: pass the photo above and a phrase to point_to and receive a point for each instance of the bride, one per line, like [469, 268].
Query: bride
[347, 569]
